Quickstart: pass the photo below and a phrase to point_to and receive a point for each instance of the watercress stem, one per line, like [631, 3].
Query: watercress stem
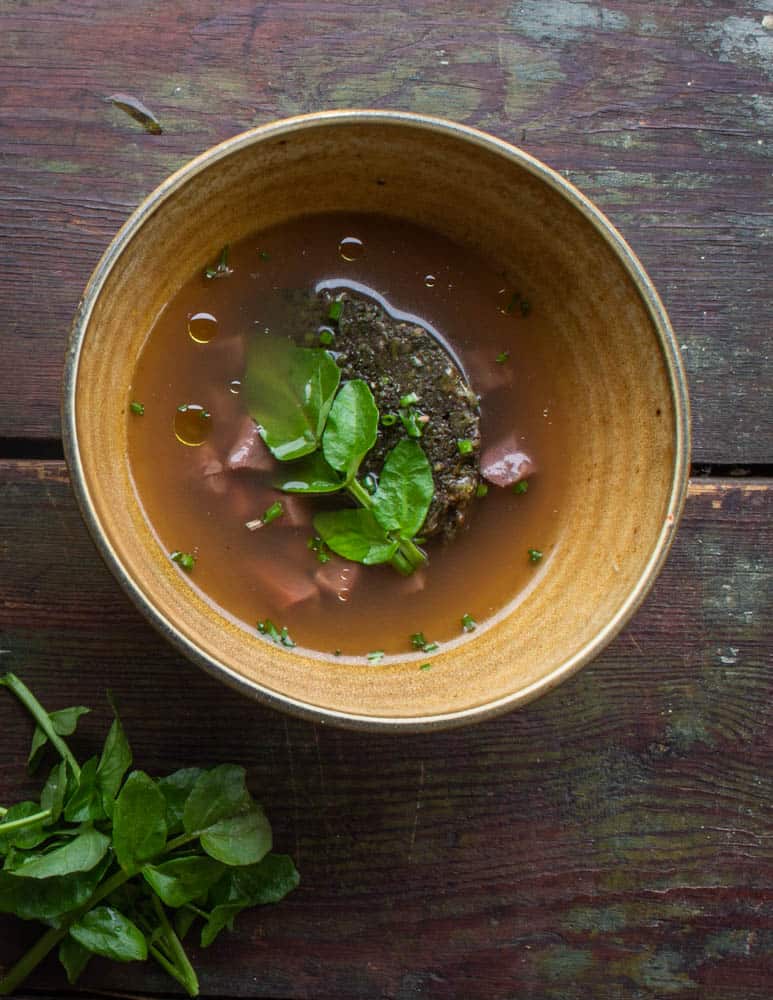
[17, 824]
[186, 975]
[40, 715]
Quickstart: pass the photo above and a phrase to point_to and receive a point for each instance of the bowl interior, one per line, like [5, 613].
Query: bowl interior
[625, 452]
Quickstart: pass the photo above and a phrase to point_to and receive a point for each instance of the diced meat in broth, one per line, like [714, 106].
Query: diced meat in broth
[248, 451]
[504, 463]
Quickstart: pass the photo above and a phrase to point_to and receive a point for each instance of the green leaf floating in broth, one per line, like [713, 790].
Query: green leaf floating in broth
[405, 490]
[351, 428]
[310, 474]
[355, 535]
[288, 392]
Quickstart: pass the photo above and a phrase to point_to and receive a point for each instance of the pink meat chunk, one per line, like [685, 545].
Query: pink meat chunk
[503, 463]
[206, 465]
[338, 578]
[413, 584]
[286, 586]
[248, 450]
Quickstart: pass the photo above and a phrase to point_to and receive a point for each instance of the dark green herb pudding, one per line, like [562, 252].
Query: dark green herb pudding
[333, 429]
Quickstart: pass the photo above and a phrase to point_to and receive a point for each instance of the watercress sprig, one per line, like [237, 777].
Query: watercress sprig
[323, 431]
[104, 856]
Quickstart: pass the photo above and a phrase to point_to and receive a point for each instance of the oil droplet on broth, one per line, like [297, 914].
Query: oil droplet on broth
[202, 327]
[429, 280]
[235, 386]
[192, 424]
[350, 248]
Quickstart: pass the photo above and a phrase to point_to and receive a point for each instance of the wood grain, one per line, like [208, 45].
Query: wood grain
[614, 839]
[661, 113]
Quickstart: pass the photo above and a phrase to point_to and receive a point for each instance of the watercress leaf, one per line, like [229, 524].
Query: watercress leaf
[139, 821]
[115, 761]
[106, 931]
[176, 788]
[356, 535]
[311, 474]
[183, 921]
[27, 836]
[351, 427]
[217, 794]
[74, 957]
[81, 854]
[288, 392]
[64, 722]
[239, 840]
[54, 791]
[48, 898]
[181, 880]
[85, 801]
[405, 490]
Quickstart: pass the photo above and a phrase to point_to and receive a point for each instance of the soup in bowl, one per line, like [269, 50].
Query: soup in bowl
[378, 419]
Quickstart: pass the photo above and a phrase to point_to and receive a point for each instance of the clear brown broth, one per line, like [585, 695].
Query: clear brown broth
[484, 569]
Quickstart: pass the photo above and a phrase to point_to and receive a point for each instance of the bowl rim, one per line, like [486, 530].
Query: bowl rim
[633, 267]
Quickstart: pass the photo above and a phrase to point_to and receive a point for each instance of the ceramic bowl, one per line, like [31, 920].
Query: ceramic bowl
[628, 450]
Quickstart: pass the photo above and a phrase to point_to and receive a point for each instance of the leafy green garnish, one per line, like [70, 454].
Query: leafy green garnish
[376, 656]
[335, 310]
[277, 635]
[127, 849]
[517, 301]
[326, 337]
[288, 392]
[464, 446]
[317, 545]
[273, 512]
[186, 560]
[503, 357]
[138, 408]
[482, 490]
[405, 490]
[418, 641]
[522, 486]
[355, 535]
[221, 269]
[351, 428]
[468, 623]
[389, 419]
[411, 421]
[425, 666]
[534, 555]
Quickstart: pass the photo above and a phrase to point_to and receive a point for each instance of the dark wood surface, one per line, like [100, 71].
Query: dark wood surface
[614, 839]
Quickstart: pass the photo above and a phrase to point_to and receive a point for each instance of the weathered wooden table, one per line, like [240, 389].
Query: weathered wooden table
[615, 839]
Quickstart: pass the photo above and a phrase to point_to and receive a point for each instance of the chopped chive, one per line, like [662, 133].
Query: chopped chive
[425, 666]
[335, 310]
[409, 399]
[534, 555]
[274, 511]
[410, 421]
[280, 636]
[522, 486]
[205, 415]
[389, 419]
[376, 656]
[326, 337]
[316, 544]
[182, 408]
[221, 270]
[336, 652]
[370, 483]
[185, 560]
[468, 623]
[418, 641]
[464, 445]
[431, 647]
[504, 356]
[138, 408]
[264, 255]
[482, 490]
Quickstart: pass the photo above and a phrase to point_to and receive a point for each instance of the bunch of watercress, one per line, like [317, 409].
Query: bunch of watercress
[322, 431]
[122, 866]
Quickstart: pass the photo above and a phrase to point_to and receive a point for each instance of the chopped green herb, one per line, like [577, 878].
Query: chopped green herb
[264, 255]
[431, 647]
[522, 486]
[138, 408]
[482, 490]
[205, 415]
[464, 445]
[336, 652]
[335, 310]
[317, 545]
[418, 641]
[410, 419]
[326, 337]
[370, 483]
[468, 623]
[221, 270]
[280, 636]
[274, 511]
[425, 666]
[503, 357]
[534, 555]
[389, 419]
[519, 301]
[186, 560]
[376, 656]
[409, 399]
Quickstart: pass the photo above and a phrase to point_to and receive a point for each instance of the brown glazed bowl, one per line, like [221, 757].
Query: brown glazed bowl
[628, 450]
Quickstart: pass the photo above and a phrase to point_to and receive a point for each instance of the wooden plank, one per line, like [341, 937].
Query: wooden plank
[659, 112]
[613, 839]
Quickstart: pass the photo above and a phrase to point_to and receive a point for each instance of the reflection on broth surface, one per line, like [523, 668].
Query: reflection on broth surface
[207, 482]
